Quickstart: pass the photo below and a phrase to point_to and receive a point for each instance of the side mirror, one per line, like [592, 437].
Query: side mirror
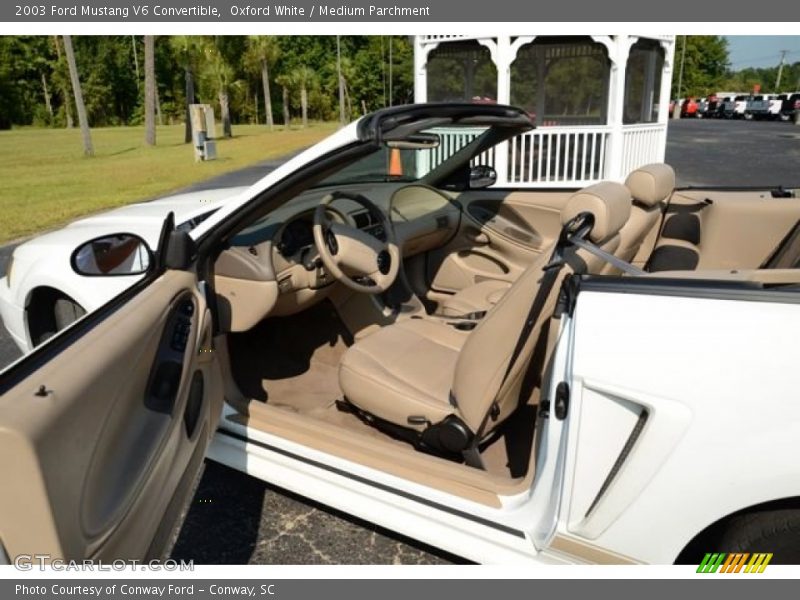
[482, 176]
[112, 255]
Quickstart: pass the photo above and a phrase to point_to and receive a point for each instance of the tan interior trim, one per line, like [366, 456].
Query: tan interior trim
[387, 456]
[589, 552]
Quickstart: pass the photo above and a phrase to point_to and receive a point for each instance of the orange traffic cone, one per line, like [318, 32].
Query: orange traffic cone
[395, 164]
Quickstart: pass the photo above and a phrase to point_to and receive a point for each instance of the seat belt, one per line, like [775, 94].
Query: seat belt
[614, 261]
[576, 228]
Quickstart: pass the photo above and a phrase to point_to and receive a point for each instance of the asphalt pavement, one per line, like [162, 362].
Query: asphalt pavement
[725, 152]
[236, 519]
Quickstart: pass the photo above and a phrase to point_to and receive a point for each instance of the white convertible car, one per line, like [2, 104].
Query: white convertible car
[603, 375]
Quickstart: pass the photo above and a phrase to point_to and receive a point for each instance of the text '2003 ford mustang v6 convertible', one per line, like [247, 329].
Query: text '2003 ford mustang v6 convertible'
[596, 375]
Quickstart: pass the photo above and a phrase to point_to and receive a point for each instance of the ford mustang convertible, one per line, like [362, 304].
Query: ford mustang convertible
[603, 375]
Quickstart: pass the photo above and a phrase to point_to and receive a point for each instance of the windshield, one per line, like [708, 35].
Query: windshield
[405, 165]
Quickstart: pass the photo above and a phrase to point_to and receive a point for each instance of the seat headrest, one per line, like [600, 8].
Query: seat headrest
[609, 202]
[651, 184]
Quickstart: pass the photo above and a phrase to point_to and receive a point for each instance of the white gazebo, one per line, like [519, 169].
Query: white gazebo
[600, 103]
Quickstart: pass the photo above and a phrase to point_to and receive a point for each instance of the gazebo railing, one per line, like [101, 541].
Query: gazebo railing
[545, 157]
[555, 156]
[573, 156]
[642, 144]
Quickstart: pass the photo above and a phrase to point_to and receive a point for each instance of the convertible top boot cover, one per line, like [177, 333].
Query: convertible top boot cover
[417, 372]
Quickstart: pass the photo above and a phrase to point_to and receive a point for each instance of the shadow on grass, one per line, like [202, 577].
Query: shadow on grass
[124, 151]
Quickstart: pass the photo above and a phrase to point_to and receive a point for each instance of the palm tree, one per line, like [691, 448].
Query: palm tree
[285, 81]
[263, 51]
[88, 148]
[303, 77]
[221, 73]
[149, 91]
[63, 79]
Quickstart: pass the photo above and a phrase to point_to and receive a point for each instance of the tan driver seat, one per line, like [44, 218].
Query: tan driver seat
[450, 386]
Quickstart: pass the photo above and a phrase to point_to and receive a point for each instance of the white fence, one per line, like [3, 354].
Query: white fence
[556, 156]
[641, 145]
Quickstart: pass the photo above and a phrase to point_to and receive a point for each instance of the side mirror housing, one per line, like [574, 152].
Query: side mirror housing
[482, 176]
[181, 250]
[114, 255]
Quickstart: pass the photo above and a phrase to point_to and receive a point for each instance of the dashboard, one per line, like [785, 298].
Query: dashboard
[273, 264]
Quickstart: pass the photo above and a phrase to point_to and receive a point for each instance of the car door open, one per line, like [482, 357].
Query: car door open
[104, 428]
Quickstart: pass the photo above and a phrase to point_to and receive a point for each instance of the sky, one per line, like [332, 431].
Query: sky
[762, 50]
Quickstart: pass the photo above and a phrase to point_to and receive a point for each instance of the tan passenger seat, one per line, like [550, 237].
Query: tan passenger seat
[650, 186]
[451, 387]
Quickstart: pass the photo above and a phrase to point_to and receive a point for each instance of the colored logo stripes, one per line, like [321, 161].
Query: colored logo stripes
[734, 563]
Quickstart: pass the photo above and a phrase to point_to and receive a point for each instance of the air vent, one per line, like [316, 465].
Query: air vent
[363, 219]
[623, 455]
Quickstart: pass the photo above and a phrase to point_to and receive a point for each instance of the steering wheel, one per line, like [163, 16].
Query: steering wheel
[358, 259]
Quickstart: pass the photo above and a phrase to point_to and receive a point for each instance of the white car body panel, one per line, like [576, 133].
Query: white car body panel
[720, 437]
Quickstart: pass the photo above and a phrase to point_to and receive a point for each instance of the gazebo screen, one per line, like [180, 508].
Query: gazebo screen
[643, 82]
[461, 72]
[562, 81]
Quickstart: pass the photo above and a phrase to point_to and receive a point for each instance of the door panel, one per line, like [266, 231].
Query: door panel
[729, 229]
[500, 234]
[127, 408]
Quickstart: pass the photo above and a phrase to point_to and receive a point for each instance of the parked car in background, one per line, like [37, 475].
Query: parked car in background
[689, 108]
[740, 106]
[763, 106]
[789, 104]
[706, 107]
[734, 107]
[774, 110]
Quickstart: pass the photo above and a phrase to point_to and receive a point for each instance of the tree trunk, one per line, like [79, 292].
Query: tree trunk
[286, 107]
[65, 90]
[159, 116]
[304, 105]
[136, 60]
[267, 97]
[47, 103]
[225, 111]
[190, 99]
[88, 149]
[149, 91]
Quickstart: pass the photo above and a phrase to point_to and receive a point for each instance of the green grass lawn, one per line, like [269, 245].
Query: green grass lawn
[45, 181]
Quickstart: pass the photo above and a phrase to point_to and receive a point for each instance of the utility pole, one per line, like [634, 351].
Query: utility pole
[341, 83]
[391, 103]
[676, 112]
[780, 71]
[383, 72]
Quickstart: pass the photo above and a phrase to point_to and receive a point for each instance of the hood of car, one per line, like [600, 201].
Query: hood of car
[184, 206]
[144, 219]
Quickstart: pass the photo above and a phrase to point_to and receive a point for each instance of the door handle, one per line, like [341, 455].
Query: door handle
[478, 238]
